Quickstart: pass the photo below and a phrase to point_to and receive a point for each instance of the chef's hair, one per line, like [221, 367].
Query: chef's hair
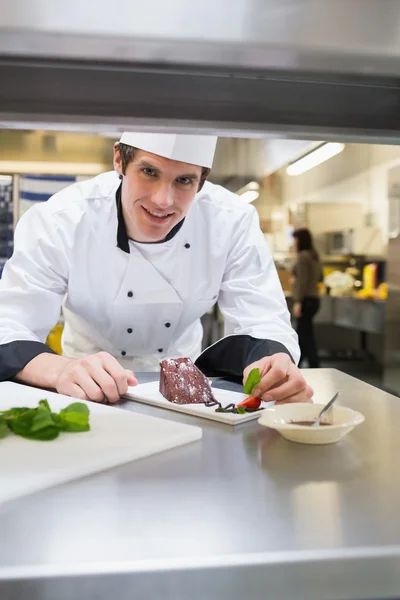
[128, 153]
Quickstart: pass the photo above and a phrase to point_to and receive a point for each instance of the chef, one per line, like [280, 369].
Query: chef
[135, 257]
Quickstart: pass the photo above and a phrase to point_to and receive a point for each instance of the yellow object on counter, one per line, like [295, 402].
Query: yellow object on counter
[365, 294]
[379, 293]
[370, 277]
[327, 271]
[54, 338]
[382, 291]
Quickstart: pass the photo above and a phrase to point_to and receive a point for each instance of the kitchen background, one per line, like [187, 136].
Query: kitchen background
[350, 202]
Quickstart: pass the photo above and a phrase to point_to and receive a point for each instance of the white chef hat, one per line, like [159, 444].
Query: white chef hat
[193, 149]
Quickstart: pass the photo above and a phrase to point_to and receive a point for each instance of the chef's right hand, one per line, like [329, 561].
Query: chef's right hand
[96, 377]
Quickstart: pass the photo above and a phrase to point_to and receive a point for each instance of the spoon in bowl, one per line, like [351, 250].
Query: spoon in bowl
[325, 410]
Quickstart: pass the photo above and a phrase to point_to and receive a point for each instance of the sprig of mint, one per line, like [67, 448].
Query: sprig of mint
[252, 381]
[41, 423]
[3, 427]
[74, 417]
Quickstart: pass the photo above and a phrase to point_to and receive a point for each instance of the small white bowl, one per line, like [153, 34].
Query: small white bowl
[281, 417]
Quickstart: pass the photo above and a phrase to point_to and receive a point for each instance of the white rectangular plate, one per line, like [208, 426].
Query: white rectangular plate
[148, 393]
[116, 437]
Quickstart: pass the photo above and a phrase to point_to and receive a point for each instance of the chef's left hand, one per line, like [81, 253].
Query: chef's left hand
[281, 380]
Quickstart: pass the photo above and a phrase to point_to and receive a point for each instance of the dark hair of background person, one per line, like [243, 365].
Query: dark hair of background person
[305, 241]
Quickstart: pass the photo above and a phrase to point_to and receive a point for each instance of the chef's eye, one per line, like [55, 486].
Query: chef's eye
[184, 180]
[150, 172]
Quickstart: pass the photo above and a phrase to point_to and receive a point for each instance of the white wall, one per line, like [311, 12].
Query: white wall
[323, 217]
[357, 176]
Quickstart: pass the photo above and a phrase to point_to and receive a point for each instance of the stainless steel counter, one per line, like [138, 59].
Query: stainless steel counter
[243, 514]
[350, 324]
[351, 313]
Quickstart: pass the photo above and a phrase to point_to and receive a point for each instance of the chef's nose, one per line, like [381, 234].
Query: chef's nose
[163, 196]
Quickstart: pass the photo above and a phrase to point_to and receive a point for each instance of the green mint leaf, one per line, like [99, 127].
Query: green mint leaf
[76, 407]
[12, 413]
[73, 422]
[21, 423]
[44, 435]
[74, 418]
[252, 381]
[70, 422]
[41, 423]
[30, 425]
[56, 419]
[42, 419]
[3, 427]
[44, 404]
[241, 410]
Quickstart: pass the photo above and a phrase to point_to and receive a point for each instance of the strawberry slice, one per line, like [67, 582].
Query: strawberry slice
[252, 402]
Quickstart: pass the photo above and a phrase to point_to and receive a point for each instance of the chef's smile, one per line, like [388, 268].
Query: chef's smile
[156, 194]
[156, 216]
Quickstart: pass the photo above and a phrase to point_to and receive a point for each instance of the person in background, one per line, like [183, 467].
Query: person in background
[307, 273]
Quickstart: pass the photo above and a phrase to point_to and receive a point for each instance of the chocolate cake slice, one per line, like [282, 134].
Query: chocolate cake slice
[182, 382]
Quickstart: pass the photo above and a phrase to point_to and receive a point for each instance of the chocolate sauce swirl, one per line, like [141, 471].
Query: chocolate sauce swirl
[229, 408]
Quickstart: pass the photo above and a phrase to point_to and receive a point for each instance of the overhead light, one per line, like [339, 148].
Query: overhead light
[250, 191]
[249, 195]
[50, 168]
[110, 135]
[253, 185]
[314, 158]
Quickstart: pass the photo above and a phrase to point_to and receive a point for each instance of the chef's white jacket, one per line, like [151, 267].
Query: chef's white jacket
[141, 302]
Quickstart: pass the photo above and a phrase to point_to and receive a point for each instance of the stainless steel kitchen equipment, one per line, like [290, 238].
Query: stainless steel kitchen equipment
[355, 241]
[241, 514]
[315, 69]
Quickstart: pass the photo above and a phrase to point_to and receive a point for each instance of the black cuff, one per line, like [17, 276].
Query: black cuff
[14, 356]
[231, 355]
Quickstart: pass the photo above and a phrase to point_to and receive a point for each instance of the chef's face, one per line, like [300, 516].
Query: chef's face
[156, 194]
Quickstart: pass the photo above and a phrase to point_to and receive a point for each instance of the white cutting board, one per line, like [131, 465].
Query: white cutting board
[149, 393]
[117, 436]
